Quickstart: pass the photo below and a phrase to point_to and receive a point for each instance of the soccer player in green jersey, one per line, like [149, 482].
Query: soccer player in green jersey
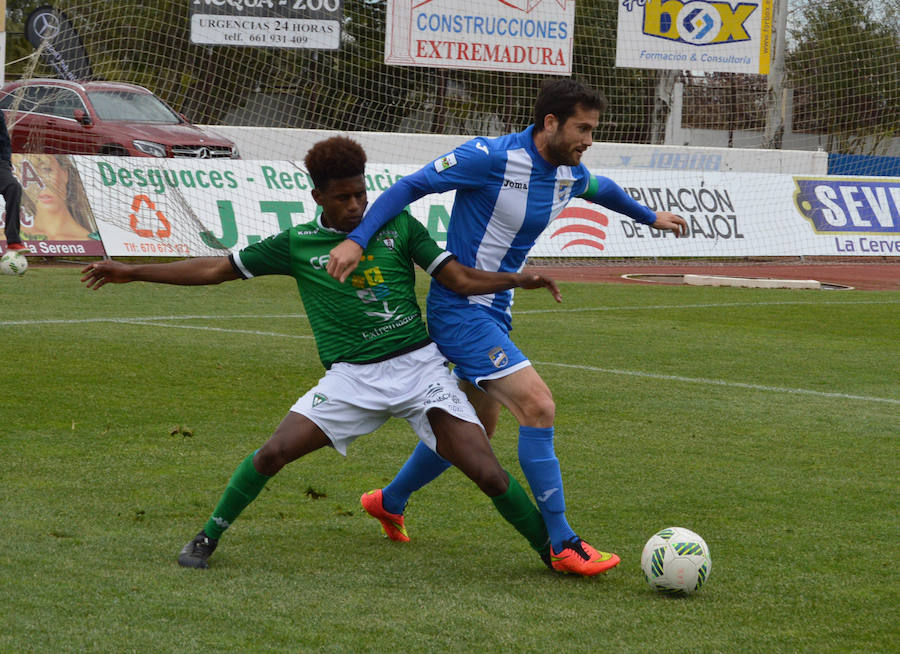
[371, 339]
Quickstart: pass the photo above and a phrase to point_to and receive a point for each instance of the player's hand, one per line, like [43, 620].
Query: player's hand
[669, 221]
[531, 281]
[97, 274]
[342, 259]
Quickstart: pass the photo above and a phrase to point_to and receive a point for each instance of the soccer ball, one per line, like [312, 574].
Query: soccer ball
[13, 262]
[676, 561]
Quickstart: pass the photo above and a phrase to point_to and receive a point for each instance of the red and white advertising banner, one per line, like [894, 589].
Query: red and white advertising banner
[179, 207]
[736, 215]
[520, 36]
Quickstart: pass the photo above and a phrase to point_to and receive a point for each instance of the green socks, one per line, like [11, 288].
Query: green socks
[246, 483]
[243, 487]
[518, 510]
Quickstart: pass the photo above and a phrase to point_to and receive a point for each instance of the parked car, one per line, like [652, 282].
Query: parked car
[109, 118]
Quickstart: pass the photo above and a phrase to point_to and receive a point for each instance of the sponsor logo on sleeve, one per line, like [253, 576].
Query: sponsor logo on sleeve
[443, 163]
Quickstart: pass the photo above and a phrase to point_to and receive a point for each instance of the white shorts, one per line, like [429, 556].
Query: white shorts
[354, 399]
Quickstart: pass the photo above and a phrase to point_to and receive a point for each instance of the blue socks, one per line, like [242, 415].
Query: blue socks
[541, 469]
[539, 464]
[423, 465]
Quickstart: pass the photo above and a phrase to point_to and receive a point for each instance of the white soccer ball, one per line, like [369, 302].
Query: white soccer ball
[676, 561]
[13, 262]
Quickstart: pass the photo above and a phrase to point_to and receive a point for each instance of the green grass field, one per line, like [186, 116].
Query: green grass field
[765, 420]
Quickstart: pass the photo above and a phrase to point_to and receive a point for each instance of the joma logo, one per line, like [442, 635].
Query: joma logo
[510, 183]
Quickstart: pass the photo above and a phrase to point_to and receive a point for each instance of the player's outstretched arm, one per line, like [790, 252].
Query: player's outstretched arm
[605, 192]
[669, 221]
[189, 272]
[469, 281]
[344, 257]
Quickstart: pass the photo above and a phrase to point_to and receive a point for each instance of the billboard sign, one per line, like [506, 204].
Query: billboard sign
[52, 34]
[697, 35]
[309, 24]
[56, 215]
[170, 207]
[520, 36]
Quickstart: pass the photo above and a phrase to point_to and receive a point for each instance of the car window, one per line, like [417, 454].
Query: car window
[37, 99]
[131, 107]
[63, 103]
[6, 102]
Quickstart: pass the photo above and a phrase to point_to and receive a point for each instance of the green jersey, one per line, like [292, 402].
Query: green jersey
[373, 315]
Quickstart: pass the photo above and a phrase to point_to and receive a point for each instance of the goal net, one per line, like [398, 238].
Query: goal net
[674, 139]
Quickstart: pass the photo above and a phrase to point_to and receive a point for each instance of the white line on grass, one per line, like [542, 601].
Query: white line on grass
[158, 321]
[212, 329]
[721, 382]
[78, 321]
[646, 307]
[164, 321]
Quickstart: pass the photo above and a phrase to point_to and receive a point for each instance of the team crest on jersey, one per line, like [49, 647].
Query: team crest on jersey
[562, 190]
[389, 242]
[443, 163]
[498, 357]
[318, 398]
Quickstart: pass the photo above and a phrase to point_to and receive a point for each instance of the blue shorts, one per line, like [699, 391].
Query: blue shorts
[470, 337]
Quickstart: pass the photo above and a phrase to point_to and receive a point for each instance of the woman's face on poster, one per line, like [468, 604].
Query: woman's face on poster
[45, 183]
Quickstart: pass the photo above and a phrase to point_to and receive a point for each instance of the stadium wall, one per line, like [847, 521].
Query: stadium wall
[268, 143]
[860, 164]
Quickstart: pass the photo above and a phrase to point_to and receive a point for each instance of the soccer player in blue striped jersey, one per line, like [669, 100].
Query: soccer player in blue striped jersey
[508, 189]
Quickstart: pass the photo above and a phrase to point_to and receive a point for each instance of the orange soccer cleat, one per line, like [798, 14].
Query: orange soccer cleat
[391, 523]
[577, 557]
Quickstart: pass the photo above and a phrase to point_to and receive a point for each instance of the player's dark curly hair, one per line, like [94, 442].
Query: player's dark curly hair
[561, 96]
[334, 158]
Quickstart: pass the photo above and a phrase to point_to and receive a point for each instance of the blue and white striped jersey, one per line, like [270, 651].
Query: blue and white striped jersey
[506, 195]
